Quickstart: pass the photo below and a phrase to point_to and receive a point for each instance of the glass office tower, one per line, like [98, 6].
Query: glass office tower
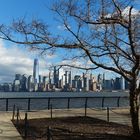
[36, 71]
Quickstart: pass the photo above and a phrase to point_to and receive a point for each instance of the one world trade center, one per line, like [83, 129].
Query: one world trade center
[36, 71]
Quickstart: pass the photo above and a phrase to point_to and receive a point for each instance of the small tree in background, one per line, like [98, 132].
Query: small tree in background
[105, 32]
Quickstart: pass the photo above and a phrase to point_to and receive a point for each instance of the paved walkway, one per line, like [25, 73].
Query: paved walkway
[9, 132]
[7, 129]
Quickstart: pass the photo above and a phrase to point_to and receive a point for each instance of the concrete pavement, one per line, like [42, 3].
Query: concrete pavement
[7, 129]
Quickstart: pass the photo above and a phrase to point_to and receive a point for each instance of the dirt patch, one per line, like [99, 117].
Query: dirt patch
[74, 128]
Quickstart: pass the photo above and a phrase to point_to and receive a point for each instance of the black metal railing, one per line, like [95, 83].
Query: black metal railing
[68, 101]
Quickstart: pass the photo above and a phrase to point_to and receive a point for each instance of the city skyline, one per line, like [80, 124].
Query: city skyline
[60, 80]
[24, 65]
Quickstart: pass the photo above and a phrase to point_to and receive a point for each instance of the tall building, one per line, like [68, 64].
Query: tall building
[30, 83]
[50, 81]
[117, 84]
[24, 83]
[122, 83]
[36, 71]
[77, 83]
[16, 85]
[56, 77]
[70, 79]
[99, 80]
[108, 84]
[17, 82]
[66, 77]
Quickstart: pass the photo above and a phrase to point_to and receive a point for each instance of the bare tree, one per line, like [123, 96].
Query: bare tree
[105, 32]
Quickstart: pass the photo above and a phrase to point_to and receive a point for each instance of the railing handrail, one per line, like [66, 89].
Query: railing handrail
[63, 97]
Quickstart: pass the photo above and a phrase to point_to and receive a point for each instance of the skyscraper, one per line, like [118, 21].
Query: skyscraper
[36, 71]
[30, 83]
[56, 77]
[122, 83]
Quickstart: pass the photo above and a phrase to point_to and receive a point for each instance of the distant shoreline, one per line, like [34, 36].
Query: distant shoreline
[103, 91]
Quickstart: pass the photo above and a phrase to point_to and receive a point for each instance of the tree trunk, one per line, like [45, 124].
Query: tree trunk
[134, 108]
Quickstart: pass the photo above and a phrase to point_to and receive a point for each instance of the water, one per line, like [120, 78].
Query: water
[59, 100]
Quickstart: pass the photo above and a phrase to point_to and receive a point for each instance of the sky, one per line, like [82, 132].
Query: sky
[16, 59]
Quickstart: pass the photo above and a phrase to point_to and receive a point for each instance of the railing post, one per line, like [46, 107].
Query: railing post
[68, 103]
[107, 114]
[48, 103]
[51, 111]
[118, 102]
[13, 112]
[26, 125]
[86, 107]
[48, 133]
[103, 101]
[17, 116]
[29, 101]
[6, 104]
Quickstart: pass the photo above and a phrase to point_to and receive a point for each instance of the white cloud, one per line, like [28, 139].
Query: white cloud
[71, 62]
[125, 12]
[83, 63]
[62, 27]
[17, 60]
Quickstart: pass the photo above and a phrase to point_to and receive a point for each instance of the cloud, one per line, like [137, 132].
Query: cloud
[17, 60]
[125, 12]
[62, 27]
[76, 63]
[71, 62]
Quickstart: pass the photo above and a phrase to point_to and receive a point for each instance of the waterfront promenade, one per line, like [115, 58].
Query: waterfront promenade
[7, 129]
[63, 104]
[9, 132]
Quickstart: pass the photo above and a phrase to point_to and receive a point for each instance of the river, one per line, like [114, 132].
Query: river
[39, 100]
